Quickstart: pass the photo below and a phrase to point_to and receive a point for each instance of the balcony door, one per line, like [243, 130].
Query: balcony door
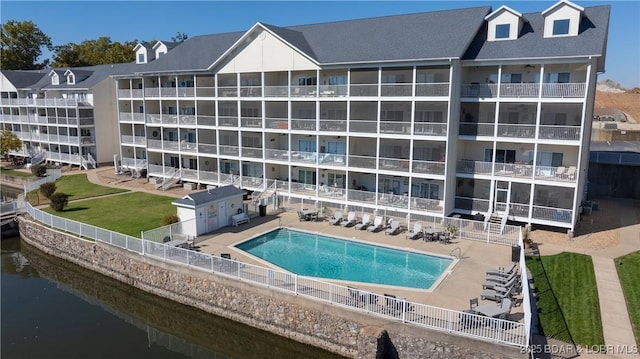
[501, 196]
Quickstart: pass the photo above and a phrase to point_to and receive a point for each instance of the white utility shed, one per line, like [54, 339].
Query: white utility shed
[206, 211]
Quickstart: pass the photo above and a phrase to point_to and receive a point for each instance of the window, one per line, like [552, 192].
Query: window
[557, 77]
[306, 146]
[553, 159]
[141, 59]
[425, 190]
[71, 80]
[502, 31]
[306, 176]
[511, 78]
[160, 53]
[335, 180]
[561, 27]
[337, 80]
[55, 80]
[502, 156]
[307, 81]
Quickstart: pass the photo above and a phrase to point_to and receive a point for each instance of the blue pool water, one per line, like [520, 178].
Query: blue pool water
[327, 257]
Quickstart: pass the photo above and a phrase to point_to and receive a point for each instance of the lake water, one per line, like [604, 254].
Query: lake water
[54, 309]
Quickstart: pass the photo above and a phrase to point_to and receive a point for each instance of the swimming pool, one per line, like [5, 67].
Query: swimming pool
[332, 258]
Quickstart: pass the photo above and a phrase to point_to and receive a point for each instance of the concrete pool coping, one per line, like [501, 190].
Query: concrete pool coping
[433, 286]
[456, 287]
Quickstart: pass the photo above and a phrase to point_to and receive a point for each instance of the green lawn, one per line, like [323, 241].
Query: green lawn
[629, 273]
[567, 298]
[10, 172]
[77, 187]
[127, 213]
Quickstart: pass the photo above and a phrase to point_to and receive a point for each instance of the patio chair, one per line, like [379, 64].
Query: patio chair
[505, 305]
[502, 272]
[377, 224]
[336, 218]
[560, 172]
[571, 172]
[500, 279]
[366, 222]
[302, 217]
[350, 221]
[416, 231]
[394, 228]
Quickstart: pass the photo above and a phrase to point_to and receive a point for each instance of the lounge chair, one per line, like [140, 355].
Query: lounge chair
[366, 222]
[336, 218]
[394, 228]
[571, 172]
[498, 295]
[350, 221]
[501, 279]
[502, 272]
[377, 224]
[493, 284]
[416, 231]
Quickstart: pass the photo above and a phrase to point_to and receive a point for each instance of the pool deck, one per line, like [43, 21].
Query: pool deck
[463, 282]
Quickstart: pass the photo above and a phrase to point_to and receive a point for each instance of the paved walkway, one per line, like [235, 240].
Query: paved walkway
[616, 325]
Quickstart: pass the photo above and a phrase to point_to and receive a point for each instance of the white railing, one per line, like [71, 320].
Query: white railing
[563, 90]
[169, 232]
[450, 321]
[52, 176]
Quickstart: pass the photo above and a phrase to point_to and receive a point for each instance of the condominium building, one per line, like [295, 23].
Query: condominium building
[65, 116]
[468, 111]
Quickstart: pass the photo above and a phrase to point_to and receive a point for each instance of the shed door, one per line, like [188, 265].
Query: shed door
[223, 219]
[201, 224]
[212, 218]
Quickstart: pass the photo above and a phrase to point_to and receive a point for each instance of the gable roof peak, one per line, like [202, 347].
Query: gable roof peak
[562, 2]
[500, 10]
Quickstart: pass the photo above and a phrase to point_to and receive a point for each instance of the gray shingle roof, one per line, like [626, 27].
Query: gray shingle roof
[24, 79]
[198, 198]
[591, 40]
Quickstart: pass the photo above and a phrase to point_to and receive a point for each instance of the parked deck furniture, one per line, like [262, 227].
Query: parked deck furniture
[239, 218]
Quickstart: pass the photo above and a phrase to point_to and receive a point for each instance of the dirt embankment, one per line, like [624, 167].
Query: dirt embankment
[628, 102]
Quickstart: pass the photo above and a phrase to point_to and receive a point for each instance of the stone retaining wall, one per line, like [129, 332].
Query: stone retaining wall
[330, 327]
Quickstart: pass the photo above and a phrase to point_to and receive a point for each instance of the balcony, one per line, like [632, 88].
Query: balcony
[479, 90]
[393, 164]
[188, 146]
[366, 162]
[517, 90]
[472, 204]
[393, 200]
[332, 192]
[396, 89]
[332, 159]
[476, 129]
[303, 188]
[359, 196]
[358, 90]
[133, 140]
[432, 89]
[566, 90]
[226, 150]
[303, 157]
[189, 174]
[474, 167]
[227, 91]
[426, 204]
[395, 127]
[428, 167]
[568, 133]
[562, 174]
[252, 152]
[251, 122]
[254, 183]
[187, 120]
[206, 120]
[163, 145]
[303, 124]
[250, 91]
[514, 130]
[333, 90]
[430, 129]
[131, 117]
[228, 121]
[128, 162]
[303, 91]
[277, 155]
[130, 93]
[516, 170]
[276, 91]
[333, 125]
[552, 214]
[278, 123]
[363, 126]
[207, 149]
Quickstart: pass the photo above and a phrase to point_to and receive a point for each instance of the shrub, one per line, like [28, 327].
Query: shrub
[59, 201]
[38, 170]
[169, 219]
[47, 189]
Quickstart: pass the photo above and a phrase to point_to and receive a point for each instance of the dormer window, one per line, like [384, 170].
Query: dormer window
[55, 80]
[141, 59]
[71, 79]
[160, 54]
[504, 24]
[561, 27]
[502, 31]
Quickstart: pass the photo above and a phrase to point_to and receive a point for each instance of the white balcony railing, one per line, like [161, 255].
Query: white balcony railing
[428, 167]
[368, 162]
[570, 133]
[474, 167]
[571, 90]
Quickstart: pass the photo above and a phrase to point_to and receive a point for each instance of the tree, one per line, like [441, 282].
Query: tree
[47, 189]
[180, 37]
[9, 142]
[93, 52]
[21, 44]
[38, 170]
[59, 200]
